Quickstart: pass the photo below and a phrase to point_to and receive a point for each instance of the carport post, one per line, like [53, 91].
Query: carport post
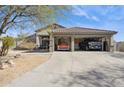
[103, 39]
[51, 44]
[37, 41]
[72, 43]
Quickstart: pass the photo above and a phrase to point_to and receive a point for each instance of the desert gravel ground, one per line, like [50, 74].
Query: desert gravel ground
[26, 62]
[76, 69]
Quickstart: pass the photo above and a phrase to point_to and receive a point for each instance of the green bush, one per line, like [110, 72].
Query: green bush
[7, 42]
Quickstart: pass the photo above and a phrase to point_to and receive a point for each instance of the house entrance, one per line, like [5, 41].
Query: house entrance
[44, 42]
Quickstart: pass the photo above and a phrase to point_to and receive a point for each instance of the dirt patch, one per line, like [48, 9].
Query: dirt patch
[23, 64]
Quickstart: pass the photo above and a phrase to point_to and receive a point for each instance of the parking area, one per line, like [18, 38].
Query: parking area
[68, 69]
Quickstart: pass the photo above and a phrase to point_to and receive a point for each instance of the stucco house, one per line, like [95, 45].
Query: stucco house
[56, 37]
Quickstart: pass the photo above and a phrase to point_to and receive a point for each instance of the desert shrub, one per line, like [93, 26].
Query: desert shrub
[7, 42]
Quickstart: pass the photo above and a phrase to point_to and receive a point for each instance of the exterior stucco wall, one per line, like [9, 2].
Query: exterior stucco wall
[0, 44]
[120, 46]
[51, 44]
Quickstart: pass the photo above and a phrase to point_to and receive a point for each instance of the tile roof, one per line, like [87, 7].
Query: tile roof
[59, 29]
[81, 30]
[52, 26]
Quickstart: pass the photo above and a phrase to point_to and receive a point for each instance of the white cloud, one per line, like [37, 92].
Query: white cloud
[80, 12]
[95, 18]
[110, 12]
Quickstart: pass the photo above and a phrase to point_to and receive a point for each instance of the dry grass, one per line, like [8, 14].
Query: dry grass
[23, 64]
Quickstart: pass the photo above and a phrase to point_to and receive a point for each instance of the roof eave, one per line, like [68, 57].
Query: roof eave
[86, 33]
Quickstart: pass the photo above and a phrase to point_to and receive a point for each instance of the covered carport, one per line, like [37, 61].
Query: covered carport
[82, 39]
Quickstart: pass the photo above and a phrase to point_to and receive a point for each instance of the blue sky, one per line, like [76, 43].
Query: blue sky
[101, 17]
[98, 16]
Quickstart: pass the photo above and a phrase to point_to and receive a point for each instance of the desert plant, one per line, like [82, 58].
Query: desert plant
[7, 42]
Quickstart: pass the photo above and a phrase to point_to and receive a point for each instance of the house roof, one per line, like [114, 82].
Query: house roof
[81, 30]
[52, 26]
[59, 29]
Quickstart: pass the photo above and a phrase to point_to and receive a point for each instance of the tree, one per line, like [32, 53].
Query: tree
[18, 16]
[7, 42]
[22, 16]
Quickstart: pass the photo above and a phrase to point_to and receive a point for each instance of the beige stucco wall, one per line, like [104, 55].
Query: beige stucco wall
[120, 46]
[0, 44]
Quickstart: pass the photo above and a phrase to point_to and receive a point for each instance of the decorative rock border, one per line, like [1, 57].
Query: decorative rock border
[7, 61]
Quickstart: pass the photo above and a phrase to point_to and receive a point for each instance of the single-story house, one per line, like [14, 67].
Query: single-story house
[56, 37]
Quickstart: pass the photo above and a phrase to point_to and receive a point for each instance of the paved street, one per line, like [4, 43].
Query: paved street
[76, 69]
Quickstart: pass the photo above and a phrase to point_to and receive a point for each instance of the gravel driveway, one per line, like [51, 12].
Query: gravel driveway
[88, 69]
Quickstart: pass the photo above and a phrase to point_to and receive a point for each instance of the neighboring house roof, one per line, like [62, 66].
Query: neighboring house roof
[81, 30]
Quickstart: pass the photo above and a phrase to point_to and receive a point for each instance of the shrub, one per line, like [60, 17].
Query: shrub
[7, 42]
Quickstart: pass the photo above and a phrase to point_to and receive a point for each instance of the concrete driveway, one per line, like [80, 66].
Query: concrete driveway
[76, 69]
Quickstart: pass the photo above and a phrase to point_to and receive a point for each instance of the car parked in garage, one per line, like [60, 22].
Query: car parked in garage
[95, 46]
[63, 46]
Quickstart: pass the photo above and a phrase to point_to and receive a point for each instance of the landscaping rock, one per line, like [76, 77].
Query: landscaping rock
[17, 55]
[6, 61]
[10, 63]
[3, 59]
[3, 66]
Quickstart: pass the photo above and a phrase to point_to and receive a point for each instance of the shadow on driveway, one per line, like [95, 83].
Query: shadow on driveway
[117, 55]
[100, 77]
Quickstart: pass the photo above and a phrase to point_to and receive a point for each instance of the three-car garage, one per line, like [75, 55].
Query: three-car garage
[64, 43]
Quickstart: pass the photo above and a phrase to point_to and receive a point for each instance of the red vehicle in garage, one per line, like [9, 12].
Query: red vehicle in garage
[63, 46]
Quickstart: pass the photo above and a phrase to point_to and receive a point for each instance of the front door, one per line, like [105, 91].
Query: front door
[44, 42]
